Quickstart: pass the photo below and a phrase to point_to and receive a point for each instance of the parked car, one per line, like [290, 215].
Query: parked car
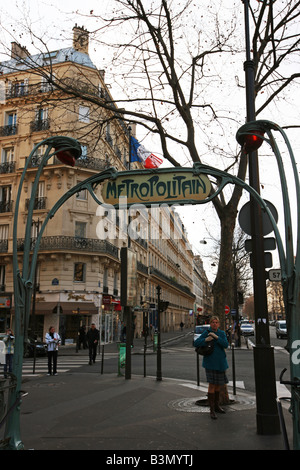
[41, 348]
[247, 329]
[281, 331]
[199, 330]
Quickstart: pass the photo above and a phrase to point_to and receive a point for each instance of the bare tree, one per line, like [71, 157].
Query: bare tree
[165, 60]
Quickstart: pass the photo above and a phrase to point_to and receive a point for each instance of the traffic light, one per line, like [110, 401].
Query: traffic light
[251, 142]
[66, 156]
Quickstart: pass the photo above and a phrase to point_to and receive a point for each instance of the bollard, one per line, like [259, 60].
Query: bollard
[102, 359]
[198, 370]
[233, 369]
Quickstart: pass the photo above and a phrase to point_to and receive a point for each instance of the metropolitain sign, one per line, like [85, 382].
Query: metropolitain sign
[180, 186]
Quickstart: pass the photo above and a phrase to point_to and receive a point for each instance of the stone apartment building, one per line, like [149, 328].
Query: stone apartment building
[78, 274]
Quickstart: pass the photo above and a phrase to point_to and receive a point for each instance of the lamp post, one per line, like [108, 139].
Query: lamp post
[267, 415]
[67, 151]
[290, 264]
[158, 357]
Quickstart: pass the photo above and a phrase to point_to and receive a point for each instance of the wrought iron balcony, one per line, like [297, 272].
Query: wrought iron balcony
[39, 125]
[169, 280]
[3, 246]
[90, 163]
[64, 243]
[39, 203]
[8, 130]
[7, 167]
[6, 206]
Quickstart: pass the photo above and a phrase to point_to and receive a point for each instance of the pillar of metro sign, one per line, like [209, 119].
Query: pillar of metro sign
[267, 419]
[254, 133]
[67, 150]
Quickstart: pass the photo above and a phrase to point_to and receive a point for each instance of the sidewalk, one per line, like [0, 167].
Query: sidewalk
[90, 411]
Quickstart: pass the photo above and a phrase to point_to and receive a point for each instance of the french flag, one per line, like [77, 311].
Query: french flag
[140, 154]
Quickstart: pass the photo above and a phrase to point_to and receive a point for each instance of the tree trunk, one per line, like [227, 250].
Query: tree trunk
[223, 284]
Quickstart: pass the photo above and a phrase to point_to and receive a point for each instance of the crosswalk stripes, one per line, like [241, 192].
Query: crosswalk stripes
[64, 364]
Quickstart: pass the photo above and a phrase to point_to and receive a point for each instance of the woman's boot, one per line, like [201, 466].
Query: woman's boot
[211, 401]
[218, 409]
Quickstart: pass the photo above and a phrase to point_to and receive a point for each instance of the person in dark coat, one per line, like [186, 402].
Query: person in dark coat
[92, 339]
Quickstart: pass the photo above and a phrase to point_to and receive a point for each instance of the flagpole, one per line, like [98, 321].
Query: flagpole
[129, 131]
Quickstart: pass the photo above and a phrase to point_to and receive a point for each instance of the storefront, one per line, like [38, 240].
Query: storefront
[110, 319]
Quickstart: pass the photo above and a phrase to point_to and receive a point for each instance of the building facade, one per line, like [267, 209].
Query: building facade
[78, 271]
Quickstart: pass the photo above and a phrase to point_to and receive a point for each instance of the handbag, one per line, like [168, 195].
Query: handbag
[205, 350]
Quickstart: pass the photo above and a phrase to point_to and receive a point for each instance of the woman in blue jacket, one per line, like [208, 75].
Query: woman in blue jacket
[215, 364]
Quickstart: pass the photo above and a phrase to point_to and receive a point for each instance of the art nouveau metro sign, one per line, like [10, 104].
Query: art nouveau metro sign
[183, 186]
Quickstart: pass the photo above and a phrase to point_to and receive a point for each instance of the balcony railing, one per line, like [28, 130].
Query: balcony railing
[65, 243]
[90, 163]
[3, 246]
[8, 130]
[40, 125]
[6, 206]
[7, 167]
[39, 203]
[171, 281]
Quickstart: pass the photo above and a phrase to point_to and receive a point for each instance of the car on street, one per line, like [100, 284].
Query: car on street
[247, 329]
[199, 330]
[281, 331]
[39, 346]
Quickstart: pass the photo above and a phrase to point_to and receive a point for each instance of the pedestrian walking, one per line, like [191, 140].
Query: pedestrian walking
[9, 342]
[215, 364]
[92, 339]
[52, 341]
[81, 338]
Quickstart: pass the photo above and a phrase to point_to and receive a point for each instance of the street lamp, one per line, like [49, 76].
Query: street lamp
[158, 357]
[67, 150]
[267, 415]
[290, 265]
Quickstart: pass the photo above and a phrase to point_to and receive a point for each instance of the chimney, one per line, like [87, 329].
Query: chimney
[80, 39]
[18, 51]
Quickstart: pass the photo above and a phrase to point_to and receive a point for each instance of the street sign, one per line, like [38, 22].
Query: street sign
[227, 309]
[168, 186]
[245, 218]
[275, 275]
[269, 244]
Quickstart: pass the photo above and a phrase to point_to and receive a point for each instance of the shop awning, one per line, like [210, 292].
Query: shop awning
[66, 308]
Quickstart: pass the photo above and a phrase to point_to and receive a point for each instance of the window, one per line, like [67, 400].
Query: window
[84, 114]
[41, 122]
[11, 118]
[4, 232]
[17, 88]
[7, 155]
[80, 229]
[10, 127]
[79, 272]
[45, 85]
[5, 199]
[82, 195]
